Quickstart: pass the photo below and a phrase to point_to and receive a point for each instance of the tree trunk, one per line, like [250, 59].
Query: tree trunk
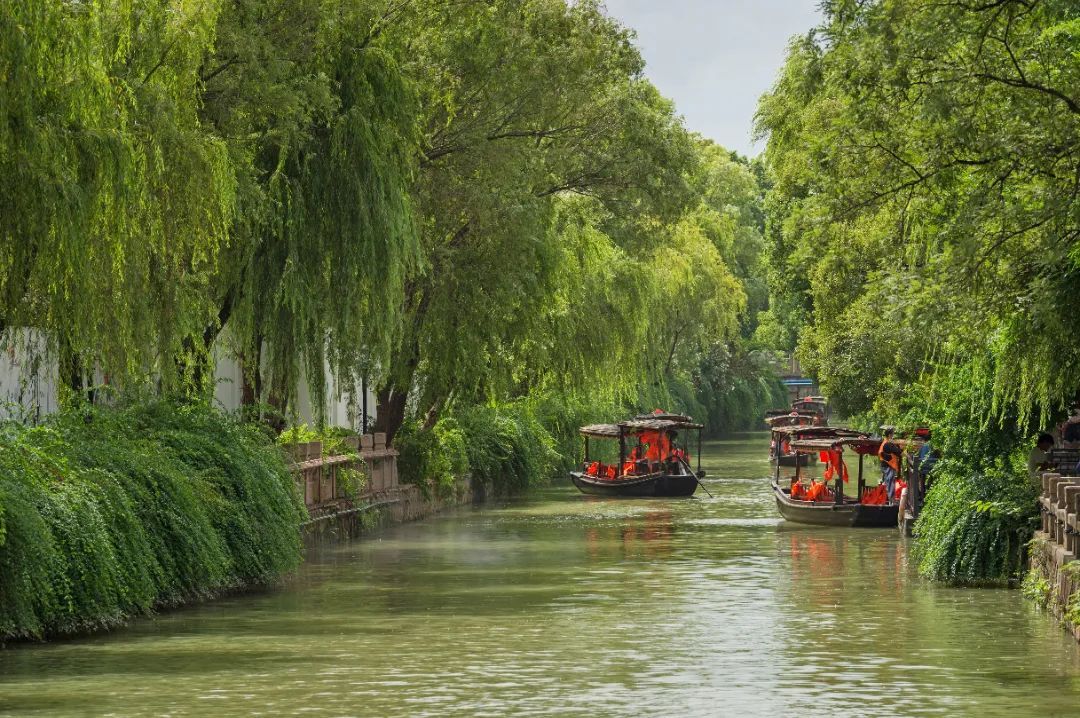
[390, 411]
[70, 369]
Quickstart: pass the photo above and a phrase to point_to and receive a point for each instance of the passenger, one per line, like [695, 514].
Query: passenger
[889, 453]
[1039, 459]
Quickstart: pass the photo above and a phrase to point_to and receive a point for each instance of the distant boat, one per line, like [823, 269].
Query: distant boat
[779, 451]
[651, 461]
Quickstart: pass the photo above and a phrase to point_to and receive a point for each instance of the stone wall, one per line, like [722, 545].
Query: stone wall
[1056, 546]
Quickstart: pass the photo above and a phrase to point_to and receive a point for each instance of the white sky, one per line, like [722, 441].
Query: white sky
[715, 58]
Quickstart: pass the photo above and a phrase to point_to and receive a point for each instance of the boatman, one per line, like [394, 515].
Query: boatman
[889, 455]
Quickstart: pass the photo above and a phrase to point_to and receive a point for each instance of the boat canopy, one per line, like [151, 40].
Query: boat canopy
[790, 418]
[603, 430]
[832, 433]
[859, 444]
[646, 422]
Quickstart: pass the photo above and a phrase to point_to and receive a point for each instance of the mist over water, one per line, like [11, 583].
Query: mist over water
[566, 605]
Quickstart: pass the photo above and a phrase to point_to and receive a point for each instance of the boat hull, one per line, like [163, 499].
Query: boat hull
[822, 513]
[657, 485]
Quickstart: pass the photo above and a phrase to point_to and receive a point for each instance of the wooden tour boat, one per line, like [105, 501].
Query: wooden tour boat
[832, 508]
[651, 463]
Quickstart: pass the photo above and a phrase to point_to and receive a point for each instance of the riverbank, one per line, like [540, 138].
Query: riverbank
[107, 514]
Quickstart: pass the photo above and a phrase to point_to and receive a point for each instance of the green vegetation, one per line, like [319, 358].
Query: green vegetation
[464, 203]
[924, 223]
[110, 513]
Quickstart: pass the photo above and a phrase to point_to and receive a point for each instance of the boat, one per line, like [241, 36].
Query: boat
[817, 406]
[832, 507]
[778, 448]
[650, 460]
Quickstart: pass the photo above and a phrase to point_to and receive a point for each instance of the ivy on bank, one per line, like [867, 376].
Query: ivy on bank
[106, 514]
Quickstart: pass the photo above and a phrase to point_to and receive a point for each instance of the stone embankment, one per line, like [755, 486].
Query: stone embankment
[1056, 547]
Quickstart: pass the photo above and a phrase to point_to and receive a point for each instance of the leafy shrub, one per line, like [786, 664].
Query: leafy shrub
[434, 459]
[509, 450]
[974, 527]
[106, 514]
[332, 438]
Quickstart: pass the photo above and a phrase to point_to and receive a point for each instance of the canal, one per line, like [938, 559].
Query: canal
[563, 605]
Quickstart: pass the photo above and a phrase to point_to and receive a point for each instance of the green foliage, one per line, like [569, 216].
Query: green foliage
[924, 203]
[974, 527]
[1072, 608]
[332, 438]
[982, 509]
[434, 459]
[109, 513]
[118, 200]
[508, 449]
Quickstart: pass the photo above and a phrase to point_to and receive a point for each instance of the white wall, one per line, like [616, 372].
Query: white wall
[28, 379]
[29, 384]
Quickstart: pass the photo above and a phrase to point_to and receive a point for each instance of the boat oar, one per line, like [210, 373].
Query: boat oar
[703, 487]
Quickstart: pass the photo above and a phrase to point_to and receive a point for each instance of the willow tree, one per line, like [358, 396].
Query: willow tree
[925, 237]
[526, 104]
[321, 122]
[117, 200]
[927, 166]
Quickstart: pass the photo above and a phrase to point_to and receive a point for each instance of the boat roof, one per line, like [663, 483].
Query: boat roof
[642, 422]
[859, 444]
[819, 432]
[784, 419]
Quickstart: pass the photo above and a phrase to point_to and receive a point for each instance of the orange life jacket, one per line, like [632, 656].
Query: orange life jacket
[893, 461]
[819, 491]
[875, 496]
[835, 465]
[594, 469]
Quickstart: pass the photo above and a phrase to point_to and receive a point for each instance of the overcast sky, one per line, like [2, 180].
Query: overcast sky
[715, 58]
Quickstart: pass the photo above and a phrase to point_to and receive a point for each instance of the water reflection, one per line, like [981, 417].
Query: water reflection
[565, 605]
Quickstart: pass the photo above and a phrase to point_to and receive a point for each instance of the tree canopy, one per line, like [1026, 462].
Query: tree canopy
[458, 201]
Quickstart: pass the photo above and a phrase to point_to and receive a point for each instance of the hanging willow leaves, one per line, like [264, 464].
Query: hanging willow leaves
[117, 200]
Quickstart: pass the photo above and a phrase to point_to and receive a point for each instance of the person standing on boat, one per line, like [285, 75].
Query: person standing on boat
[889, 454]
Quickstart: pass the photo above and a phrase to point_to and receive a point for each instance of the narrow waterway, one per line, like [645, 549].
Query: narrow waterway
[563, 605]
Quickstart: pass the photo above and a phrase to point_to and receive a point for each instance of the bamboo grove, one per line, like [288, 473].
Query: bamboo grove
[460, 202]
[923, 239]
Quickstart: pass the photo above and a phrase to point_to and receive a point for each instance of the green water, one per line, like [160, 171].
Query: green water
[564, 605]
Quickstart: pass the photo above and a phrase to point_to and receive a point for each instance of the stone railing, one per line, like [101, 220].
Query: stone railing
[319, 477]
[1058, 543]
[1060, 504]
